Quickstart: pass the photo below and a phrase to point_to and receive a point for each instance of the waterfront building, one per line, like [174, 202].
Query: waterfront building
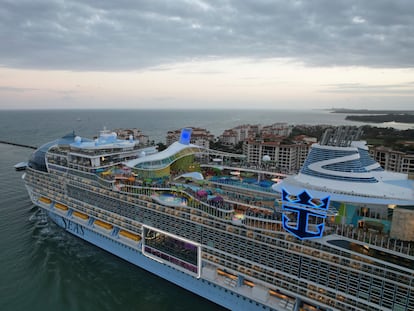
[239, 133]
[277, 129]
[393, 160]
[285, 157]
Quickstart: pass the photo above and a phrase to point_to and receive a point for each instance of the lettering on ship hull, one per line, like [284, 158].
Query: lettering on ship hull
[73, 227]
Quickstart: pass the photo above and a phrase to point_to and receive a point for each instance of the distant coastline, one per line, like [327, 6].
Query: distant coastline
[378, 116]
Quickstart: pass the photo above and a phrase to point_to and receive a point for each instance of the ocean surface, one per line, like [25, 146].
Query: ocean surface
[43, 267]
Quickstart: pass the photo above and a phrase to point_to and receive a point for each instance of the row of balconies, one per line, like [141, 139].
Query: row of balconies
[291, 285]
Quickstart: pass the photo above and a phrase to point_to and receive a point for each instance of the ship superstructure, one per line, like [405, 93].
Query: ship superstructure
[205, 221]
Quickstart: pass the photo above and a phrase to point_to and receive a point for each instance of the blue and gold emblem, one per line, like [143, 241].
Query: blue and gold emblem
[300, 209]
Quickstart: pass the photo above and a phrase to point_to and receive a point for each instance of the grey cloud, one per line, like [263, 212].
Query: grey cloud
[130, 35]
[11, 89]
[16, 89]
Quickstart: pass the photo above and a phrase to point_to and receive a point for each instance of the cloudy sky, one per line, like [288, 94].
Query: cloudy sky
[207, 54]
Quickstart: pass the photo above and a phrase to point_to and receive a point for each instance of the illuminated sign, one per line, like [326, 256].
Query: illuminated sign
[185, 136]
[299, 211]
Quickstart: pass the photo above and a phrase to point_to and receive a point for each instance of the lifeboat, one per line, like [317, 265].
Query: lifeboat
[248, 283]
[61, 207]
[102, 224]
[278, 295]
[129, 235]
[80, 215]
[226, 274]
[45, 200]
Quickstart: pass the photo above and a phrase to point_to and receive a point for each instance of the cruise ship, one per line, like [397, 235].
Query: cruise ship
[336, 236]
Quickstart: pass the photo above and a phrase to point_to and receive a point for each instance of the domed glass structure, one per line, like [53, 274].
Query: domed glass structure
[37, 160]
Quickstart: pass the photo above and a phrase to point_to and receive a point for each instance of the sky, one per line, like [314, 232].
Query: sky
[233, 54]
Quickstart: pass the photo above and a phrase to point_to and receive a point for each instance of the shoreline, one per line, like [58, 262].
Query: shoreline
[372, 112]
[378, 116]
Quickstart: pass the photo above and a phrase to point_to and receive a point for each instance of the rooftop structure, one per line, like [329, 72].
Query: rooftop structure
[341, 136]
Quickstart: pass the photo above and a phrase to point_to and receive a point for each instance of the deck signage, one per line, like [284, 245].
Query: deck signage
[185, 136]
[296, 213]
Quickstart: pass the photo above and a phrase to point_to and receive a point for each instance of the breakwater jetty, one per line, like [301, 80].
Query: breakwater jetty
[17, 144]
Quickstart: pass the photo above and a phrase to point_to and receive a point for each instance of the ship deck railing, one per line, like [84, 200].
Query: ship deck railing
[246, 167]
[193, 203]
[264, 221]
[226, 206]
[372, 238]
[345, 194]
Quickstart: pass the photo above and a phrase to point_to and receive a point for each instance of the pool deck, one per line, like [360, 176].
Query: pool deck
[170, 199]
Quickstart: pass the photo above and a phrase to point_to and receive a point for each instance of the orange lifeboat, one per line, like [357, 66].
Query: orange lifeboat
[102, 224]
[129, 235]
[80, 215]
[61, 207]
[45, 200]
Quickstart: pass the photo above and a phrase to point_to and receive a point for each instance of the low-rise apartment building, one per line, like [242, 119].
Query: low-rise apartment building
[393, 160]
[286, 158]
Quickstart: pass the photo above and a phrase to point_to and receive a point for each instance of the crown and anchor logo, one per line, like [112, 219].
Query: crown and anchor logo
[304, 208]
